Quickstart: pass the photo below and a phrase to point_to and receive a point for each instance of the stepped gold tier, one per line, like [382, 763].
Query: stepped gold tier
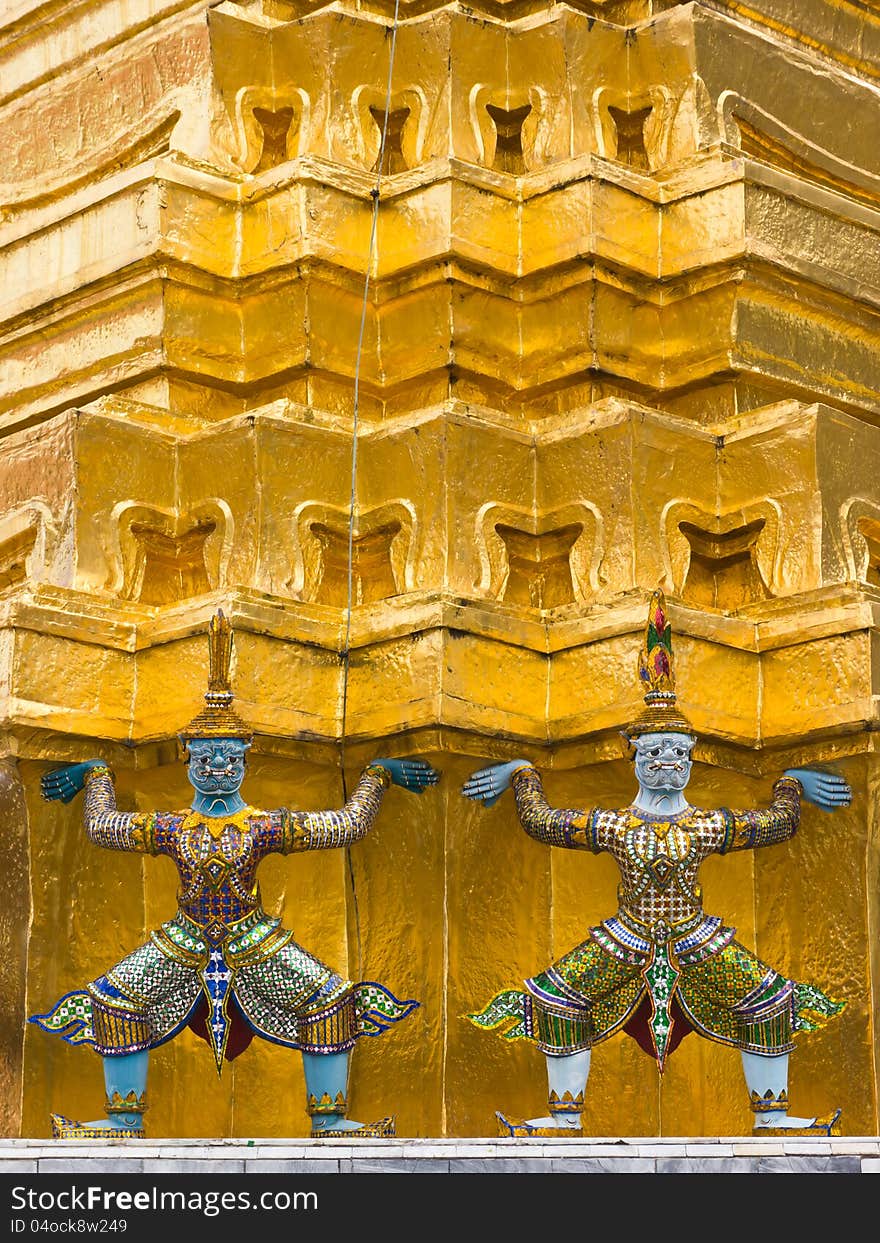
[620, 332]
[571, 210]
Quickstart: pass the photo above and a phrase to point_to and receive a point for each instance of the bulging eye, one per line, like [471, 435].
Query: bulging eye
[654, 751]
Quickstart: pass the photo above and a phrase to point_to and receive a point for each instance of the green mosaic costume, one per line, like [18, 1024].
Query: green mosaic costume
[661, 967]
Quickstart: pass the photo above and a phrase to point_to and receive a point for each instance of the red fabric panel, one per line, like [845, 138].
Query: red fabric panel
[240, 1034]
[638, 1027]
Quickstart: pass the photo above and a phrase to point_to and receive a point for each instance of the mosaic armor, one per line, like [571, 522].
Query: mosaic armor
[661, 967]
[222, 965]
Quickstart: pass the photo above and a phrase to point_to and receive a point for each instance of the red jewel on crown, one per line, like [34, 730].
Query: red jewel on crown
[661, 661]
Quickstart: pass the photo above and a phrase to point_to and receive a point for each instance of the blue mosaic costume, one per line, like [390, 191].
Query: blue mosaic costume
[222, 965]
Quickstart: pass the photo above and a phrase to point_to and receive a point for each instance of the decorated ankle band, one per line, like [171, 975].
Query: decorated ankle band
[382, 1129]
[770, 1104]
[326, 1105]
[67, 1128]
[130, 1104]
[566, 1104]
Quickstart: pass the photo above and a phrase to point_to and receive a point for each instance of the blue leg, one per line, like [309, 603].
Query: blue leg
[567, 1081]
[767, 1081]
[327, 1098]
[125, 1080]
[327, 1091]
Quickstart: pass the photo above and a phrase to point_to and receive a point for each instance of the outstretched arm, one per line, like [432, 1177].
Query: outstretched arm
[105, 826]
[748, 830]
[323, 830]
[550, 825]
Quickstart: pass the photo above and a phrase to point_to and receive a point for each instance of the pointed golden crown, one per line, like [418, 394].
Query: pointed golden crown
[657, 675]
[218, 719]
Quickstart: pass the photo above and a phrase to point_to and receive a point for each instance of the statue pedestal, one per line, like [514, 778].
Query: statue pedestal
[681, 1155]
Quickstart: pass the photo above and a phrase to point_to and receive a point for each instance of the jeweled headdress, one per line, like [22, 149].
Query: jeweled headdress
[218, 719]
[657, 675]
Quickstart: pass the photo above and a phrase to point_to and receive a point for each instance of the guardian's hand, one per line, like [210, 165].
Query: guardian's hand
[65, 783]
[825, 790]
[487, 785]
[413, 774]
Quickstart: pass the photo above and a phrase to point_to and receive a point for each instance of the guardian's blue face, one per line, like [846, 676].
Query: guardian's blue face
[216, 765]
[663, 761]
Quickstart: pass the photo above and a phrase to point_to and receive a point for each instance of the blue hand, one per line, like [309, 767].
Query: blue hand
[822, 789]
[65, 783]
[488, 784]
[412, 775]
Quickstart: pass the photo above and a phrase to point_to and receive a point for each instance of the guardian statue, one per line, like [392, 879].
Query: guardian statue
[222, 965]
[661, 967]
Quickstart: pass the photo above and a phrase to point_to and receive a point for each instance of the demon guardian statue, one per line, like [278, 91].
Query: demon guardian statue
[222, 965]
[661, 967]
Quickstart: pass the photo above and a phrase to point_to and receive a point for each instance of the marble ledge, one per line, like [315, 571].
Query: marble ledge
[598, 1155]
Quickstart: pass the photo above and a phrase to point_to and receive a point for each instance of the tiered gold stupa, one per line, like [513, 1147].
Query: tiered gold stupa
[621, 332]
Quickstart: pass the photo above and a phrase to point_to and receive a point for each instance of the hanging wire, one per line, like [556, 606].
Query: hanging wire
[346, 645]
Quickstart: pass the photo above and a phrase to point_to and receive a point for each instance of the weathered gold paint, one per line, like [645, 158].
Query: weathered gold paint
[642, 328]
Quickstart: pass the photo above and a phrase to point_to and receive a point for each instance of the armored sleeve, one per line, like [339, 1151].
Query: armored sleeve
[747, 830]
[553, 826]
[115, 830]
[289, 831]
